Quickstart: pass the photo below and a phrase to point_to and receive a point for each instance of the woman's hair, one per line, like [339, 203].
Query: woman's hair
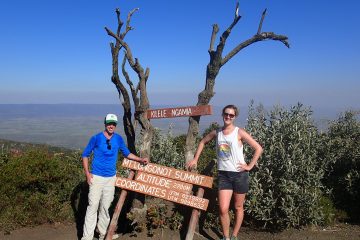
[232, 107]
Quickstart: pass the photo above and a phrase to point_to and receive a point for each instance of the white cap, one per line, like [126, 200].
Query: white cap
[111, 118]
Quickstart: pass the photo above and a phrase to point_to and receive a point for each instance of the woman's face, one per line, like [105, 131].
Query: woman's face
[229, 115]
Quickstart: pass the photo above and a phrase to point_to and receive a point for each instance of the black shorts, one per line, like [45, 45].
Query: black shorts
[236, 181]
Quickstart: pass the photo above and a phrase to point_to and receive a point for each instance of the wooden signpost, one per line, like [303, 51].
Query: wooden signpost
[168, 172]
[164, 193]
[164, 182]
[180, 112]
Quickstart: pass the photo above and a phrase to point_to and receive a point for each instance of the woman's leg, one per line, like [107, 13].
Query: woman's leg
[239, 200]
[224, 203]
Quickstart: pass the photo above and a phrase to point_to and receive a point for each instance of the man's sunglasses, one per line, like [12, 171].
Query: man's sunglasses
[108, 144]
[229, 115]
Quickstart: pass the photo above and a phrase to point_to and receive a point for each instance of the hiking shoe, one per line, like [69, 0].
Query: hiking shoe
[115, 236]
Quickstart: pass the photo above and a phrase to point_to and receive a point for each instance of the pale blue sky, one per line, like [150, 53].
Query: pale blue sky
[58, 51]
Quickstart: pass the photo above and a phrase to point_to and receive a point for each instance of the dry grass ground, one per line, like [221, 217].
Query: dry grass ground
[68, 232]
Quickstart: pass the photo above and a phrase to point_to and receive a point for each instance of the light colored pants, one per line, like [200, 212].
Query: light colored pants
[101, 195]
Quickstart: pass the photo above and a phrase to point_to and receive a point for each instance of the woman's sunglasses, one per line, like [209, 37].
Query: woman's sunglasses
[229, 115]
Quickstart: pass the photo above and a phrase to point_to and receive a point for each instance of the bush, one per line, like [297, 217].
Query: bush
[165, 151]
[341, 160]
[286, 189]
[36, 188]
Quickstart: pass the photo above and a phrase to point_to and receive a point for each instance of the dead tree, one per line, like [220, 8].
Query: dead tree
[216, 62]
[138, 92]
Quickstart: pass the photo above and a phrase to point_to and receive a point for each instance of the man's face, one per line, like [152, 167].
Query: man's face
[110, 127]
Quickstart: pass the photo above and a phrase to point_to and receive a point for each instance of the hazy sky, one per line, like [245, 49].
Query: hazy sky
[58, 51]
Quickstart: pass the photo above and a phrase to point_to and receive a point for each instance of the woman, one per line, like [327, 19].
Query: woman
[233, 171]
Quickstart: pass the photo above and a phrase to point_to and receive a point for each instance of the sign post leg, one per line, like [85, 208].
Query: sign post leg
[194, 217]
[195, 212]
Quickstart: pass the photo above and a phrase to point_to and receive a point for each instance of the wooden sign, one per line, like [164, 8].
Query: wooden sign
[163, 182]
[179, 112]
[168, 172]
[164, 193]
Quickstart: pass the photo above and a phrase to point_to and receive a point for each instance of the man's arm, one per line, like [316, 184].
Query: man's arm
[85, 162]
[138, 159]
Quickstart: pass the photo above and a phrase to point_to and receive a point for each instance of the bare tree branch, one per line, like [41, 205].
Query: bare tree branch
[257, 38]
[237, 9]
[128, 27]
[213, 36]
[261, 21]
[127, 77]
[120, 23]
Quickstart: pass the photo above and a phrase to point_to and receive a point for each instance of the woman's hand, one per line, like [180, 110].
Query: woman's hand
[191, 164]
[244, 166]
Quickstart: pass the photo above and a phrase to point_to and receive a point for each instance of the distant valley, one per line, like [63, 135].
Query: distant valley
[71, 125]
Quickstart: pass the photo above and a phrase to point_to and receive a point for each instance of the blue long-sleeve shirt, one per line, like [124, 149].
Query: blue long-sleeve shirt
[105, 157]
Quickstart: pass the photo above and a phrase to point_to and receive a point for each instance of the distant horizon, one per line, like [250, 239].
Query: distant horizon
[71, 125]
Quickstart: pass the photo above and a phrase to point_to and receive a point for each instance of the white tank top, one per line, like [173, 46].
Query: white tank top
[229, 151]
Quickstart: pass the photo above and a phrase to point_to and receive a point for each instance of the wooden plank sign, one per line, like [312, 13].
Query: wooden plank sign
[164, 193]
[163, 182]
[179, 112]
[168, 172]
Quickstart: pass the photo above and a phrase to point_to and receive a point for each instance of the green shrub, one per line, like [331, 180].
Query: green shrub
[341, 159]
[286, 189]
[165, 151]
[36, 187]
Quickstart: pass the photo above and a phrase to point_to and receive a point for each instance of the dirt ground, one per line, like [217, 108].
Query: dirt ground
[68, 232]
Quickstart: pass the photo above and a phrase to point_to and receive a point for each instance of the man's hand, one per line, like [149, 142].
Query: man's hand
[145, 160]
[89, 178]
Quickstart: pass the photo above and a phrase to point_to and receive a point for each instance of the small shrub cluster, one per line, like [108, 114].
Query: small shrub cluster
[165, 151]
[36, 186]
[156, 218]
[340, 153]
[176, 221]
[151, 217]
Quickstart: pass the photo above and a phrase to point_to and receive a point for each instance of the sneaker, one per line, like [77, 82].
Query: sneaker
[233, 238]
[115, 236]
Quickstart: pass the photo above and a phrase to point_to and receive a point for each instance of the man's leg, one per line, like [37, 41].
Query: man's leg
[239, 200]
[95, 190]
[224, 203]
[106, 200]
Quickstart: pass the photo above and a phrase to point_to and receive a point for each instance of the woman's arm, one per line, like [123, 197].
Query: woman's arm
[245, 137]
[192, 163]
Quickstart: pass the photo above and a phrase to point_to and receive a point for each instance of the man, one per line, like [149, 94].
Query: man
[101, 179]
